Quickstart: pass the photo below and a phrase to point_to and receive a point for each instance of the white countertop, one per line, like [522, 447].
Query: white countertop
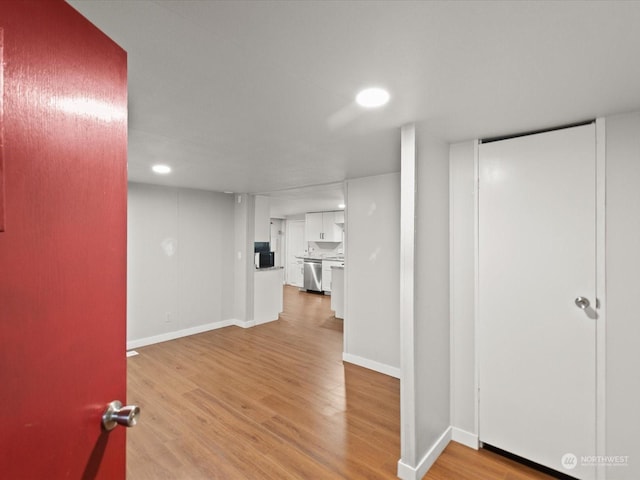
[313, 257]
[269, 269]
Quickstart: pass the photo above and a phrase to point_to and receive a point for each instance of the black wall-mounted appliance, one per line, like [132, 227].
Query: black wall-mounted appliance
[264, 257]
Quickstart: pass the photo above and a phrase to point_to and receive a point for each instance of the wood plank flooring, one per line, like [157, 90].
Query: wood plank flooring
[270, 402]
[276, 402]
[458, 462]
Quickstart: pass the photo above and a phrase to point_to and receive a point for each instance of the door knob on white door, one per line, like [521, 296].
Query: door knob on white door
[116, 414]
[582, 303]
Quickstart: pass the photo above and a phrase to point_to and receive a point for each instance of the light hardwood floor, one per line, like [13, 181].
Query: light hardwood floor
[458, 462]
[275, 402]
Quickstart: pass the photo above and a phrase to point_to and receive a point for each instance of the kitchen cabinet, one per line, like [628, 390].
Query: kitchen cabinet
[332, 231]
[267, 295]
[326, 273]
[337, 296]
[322, 227]
[313, 227]
[296, 277]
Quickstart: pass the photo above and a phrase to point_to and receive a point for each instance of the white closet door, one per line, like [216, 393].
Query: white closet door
[537, 254]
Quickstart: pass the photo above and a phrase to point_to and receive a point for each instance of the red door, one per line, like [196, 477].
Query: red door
[63, 245]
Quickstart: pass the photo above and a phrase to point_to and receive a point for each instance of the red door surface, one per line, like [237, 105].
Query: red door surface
[63, 245]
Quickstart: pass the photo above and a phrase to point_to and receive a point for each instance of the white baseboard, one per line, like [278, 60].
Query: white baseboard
[263, 321]
[407, 472]
[165, 337]
[465, 438]
[371, 365]
[243, 323]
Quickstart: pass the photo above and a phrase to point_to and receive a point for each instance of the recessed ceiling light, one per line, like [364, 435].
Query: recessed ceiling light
[342, 205]
[372, 97]
[161, 169]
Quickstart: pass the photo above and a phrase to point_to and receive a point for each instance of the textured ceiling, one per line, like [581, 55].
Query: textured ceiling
[257, 96]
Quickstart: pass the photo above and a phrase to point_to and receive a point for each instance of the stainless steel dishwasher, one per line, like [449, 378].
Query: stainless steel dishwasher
[313, 274]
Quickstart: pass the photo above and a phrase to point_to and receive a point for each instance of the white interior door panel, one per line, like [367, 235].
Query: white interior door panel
[537, 254]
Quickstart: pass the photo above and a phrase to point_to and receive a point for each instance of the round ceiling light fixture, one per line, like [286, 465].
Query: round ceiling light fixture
[372, 97]
[341, 206]
[161, 169]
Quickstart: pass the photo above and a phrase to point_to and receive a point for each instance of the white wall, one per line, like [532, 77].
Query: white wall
[278, 241]
[262, 217]
[325, 249]
[295, 218]
[462, 201]
[432, 326]
[371, 324]
[180, 261]
[623, 289]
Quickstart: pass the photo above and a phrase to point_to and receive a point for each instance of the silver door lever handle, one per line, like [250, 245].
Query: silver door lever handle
[116, 414]
[582, 303]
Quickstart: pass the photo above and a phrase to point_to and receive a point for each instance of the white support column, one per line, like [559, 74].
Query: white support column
[407, 319]
[244, 212]
[601, 278]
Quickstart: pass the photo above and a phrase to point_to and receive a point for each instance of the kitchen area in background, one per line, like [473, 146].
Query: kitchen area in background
[323, 264]
[305, 239]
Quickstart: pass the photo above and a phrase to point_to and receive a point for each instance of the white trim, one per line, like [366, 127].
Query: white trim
[406, 472]
[467, 439]
[407, 373]
[243, 324]
[476, 275]
[345, 252]
[371, 365]
[452, 299]
[601, 154]
[165, 337]
[260, 322]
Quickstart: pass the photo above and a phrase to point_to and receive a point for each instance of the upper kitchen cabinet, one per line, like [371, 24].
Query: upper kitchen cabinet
[323, 227]
[313, 227]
